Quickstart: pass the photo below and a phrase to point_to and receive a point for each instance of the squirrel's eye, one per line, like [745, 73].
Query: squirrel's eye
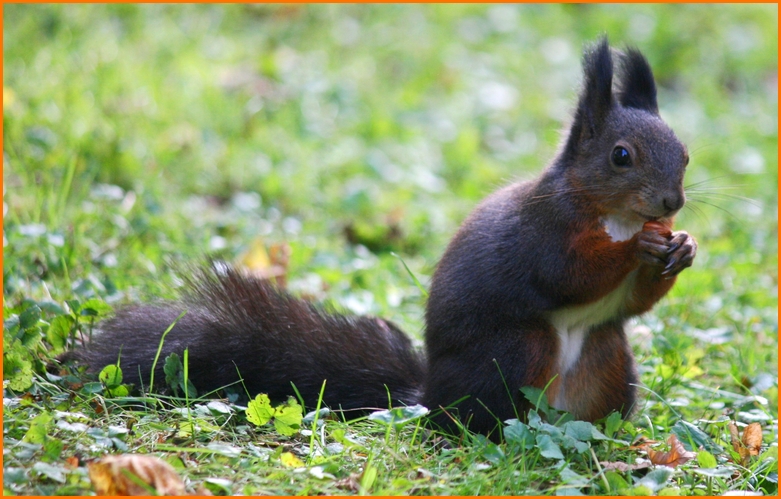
[621, 156]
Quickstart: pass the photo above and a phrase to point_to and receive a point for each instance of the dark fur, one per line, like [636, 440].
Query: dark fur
[516, 259]
[237, 323]
[527, 251]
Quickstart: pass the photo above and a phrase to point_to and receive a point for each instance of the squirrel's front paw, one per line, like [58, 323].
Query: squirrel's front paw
[681, 253]
[653, 245]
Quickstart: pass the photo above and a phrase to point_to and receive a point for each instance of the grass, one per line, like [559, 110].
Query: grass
[138, 137]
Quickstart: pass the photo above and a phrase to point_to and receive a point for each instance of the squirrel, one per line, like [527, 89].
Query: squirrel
[534, 289]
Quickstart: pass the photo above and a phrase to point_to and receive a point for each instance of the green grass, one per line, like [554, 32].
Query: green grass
[138, 137]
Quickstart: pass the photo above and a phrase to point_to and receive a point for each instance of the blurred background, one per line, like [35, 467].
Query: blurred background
[135, 135]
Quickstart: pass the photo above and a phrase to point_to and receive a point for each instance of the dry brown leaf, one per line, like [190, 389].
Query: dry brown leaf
[734, 436]
[98, 407]
[203, 491]
[351, 482]
[642, 443]
[124, 475]
[676, 456]
[280, 258]
[752, 438]
[750, 444]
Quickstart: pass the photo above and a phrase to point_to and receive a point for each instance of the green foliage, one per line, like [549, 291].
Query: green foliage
[398, 417]
[17, 365]
[111, 377]
[287, 417]
[174, 376]
[38, 429]
[138, 136]
[28, 337]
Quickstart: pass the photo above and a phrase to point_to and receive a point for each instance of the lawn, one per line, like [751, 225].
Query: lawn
[355, 139]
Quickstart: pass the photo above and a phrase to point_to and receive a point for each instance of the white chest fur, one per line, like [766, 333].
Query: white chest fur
[620, 229]
[572, 324]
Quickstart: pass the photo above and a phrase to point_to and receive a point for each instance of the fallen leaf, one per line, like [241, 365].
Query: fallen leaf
[133, 475]
[642, 443]
[72, 462]
[267, 264]
[280, 258]
[203, 491]
[676, 456]
[734, 436]
[752, 438]
[750, 444]
[256, 257]
[290, 460]
[351, 482]
[75, 386]
[624, 467]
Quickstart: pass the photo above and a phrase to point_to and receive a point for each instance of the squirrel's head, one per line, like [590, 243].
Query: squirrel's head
[618, 147]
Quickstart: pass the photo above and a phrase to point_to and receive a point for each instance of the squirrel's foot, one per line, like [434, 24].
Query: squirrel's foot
[653, 246]
[681, 253]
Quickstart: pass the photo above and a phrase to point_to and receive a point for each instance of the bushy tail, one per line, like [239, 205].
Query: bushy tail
[237, 324]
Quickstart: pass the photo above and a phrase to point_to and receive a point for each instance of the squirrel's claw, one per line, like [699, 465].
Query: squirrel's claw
[683, 249]
[652, 248]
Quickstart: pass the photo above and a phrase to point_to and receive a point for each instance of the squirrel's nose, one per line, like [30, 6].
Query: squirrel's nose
[674, 202]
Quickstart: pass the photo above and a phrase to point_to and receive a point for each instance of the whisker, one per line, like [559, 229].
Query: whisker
[720, 188]
[717, 207]
[542, 197]
[698, 213]
[722, 195]
[707, 180]
[700, 148]
[561, 191]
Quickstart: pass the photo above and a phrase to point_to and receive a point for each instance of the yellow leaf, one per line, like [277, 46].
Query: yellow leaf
[259, 410]
[290, 460]
[692, 372]
[287, 417]
[256, 257]
[9, 97]
[267, 264]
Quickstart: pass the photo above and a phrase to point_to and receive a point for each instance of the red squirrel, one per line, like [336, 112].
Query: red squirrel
[533, 290]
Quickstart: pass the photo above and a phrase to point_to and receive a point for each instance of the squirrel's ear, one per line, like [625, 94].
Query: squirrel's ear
[638, 89]
[596, 98]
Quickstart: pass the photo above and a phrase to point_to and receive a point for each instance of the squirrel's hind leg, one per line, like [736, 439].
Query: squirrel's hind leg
[491, 374]
[604, 377]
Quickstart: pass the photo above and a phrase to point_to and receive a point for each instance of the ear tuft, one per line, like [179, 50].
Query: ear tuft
[638, 88]
[597, 95]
